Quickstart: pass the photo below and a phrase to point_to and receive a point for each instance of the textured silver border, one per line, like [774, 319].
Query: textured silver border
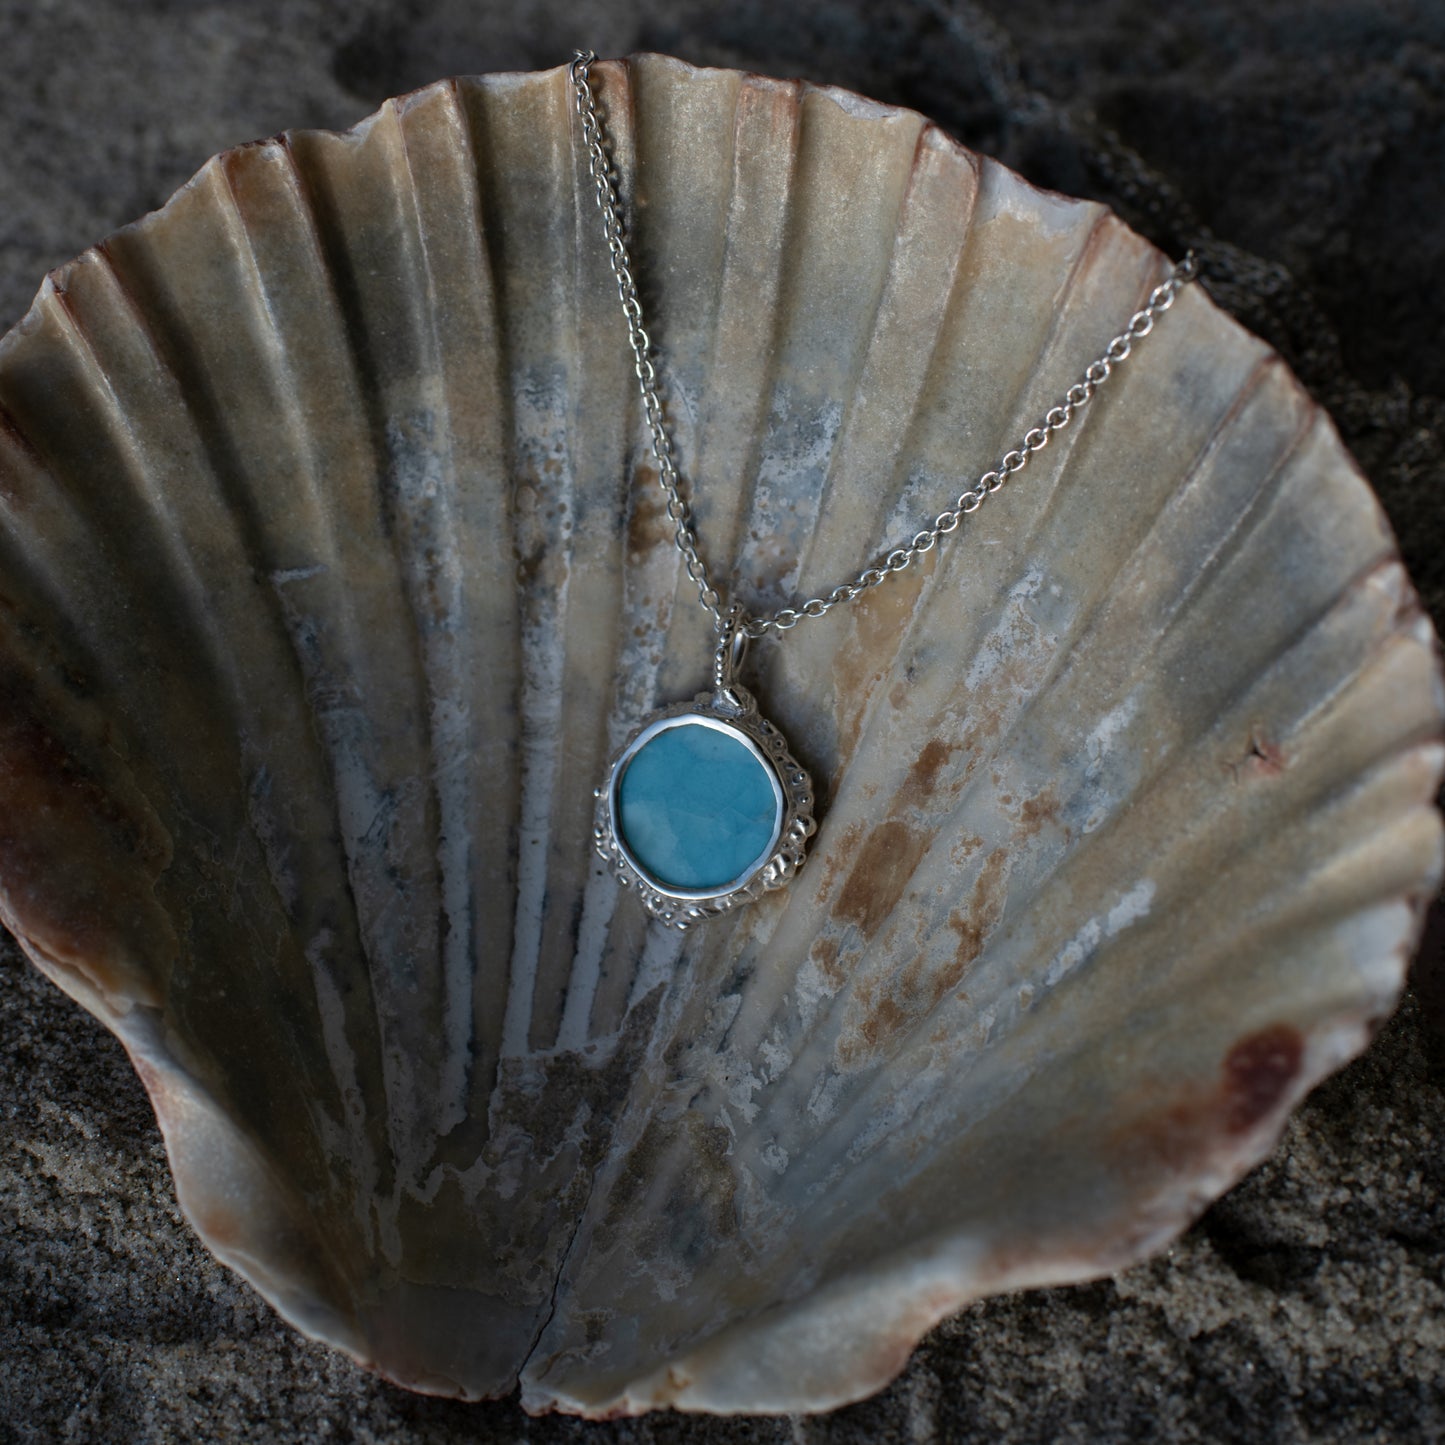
[731, 710]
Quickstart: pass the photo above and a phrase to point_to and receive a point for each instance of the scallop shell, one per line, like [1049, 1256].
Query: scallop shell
[332, 575]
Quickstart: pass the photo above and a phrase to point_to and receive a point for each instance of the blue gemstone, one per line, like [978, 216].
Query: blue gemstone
[697, 807]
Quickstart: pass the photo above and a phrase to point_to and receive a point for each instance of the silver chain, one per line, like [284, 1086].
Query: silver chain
[604, 180]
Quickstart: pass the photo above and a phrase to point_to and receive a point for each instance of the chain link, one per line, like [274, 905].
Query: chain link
[604, 180]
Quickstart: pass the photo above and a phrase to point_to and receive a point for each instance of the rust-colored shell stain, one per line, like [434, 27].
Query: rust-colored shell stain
[977, 918]
[1039, 812]
[1257, 1072]
[647, 525]
[539, 562]
[922, 778]
[825, 954]
[879, 618]
[878, 879]
[1254, 1078]
[886, 1007]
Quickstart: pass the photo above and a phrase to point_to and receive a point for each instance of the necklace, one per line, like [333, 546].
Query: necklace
[704, 808]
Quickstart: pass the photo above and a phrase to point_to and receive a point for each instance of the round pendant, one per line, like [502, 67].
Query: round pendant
[704, 808]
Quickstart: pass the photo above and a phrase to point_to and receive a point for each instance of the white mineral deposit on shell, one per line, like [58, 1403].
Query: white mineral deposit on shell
[334, 574]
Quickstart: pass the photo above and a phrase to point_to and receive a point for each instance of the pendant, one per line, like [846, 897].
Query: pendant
[704, 808]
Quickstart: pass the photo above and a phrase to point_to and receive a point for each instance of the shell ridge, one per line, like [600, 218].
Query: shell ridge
[1354, 746]
[766, 510]
[80, 349]
[428, 522]
[945, 574]
[178, 352]
[538, 751]
[743, 296]
[581, 939]
[1236, 878]
[122, 445]
[701, 469]
[906, 509]
[1241, 517]
[1307, 738]
[610, 970]
[197, 619]
[1338, 684]
[1067, 657]
[707, 490]
[1075, 656]
[622, 672]
[41, 578]
[936, 587]
[337, 652]
[123, 254]
[757, 221]
[412, 1138]
[935, 591]
[480, 1070]
[889, 316]
[1069, 660]
[1071, 652]
[475, 139]
[1354, 888]
[1307, 620]
[20, 456]
[547, 573]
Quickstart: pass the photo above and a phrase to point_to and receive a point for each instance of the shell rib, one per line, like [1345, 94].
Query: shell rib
[332, 573]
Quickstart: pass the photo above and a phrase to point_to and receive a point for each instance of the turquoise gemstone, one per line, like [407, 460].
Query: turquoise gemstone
[697, 807]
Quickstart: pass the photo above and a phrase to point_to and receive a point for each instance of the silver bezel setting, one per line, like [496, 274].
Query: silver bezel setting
[731, 710]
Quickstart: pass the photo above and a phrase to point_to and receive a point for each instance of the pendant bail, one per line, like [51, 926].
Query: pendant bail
[727, 660]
